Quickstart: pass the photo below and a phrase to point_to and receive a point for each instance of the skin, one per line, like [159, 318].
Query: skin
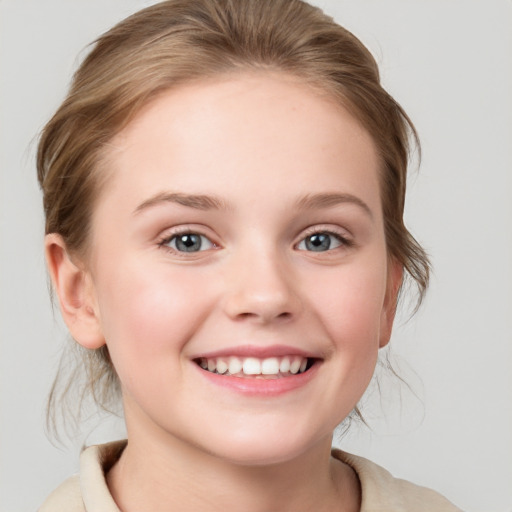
[259, 144]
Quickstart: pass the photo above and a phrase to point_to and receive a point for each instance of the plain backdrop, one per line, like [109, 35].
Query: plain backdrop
[449, 63]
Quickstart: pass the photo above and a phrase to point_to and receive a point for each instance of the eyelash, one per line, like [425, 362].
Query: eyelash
[168, 238]
[344, 241]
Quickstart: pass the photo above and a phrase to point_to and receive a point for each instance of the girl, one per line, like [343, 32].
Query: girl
[224, 191]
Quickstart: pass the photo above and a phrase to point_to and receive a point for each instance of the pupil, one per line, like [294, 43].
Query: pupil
[188, 243]
[318, 242]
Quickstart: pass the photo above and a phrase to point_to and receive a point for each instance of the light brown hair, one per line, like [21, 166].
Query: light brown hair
[175, 42]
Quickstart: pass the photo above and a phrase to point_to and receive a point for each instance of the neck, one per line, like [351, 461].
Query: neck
[159, 471]
[171, 475]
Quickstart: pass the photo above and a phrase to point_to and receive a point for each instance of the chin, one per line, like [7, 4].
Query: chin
[262, 447]
[249, 456]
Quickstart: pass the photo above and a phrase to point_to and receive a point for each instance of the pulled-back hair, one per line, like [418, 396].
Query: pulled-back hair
[179, 41]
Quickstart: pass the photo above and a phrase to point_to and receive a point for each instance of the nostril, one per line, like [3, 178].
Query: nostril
[284, 316]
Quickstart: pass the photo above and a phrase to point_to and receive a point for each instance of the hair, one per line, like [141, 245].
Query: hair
[179, 41]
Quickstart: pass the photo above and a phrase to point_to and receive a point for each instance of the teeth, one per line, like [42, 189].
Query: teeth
[251, 366]
[294, 365]
[284, 367]
[235, 365]
[222, 366]
[272, 366]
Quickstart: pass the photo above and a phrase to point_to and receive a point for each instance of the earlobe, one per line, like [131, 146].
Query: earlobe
[395, 276]
[74, 289]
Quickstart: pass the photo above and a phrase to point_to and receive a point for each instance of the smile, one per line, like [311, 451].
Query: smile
[253, 367]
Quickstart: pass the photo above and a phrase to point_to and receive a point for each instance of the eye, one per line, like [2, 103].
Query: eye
[321, 241]
[188, 242]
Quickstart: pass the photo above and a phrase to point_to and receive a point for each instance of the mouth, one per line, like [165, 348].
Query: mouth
[268, 368]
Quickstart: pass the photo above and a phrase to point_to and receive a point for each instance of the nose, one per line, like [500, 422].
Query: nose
[261, 288]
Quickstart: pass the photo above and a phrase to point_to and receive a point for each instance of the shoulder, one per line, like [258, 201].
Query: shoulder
[381, 492]
[87, 492]
[66, 498]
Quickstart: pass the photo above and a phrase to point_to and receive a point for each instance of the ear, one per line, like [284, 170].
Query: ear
[75, 291]
[395, 276]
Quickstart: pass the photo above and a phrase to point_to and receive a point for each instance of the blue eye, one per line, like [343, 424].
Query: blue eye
[320, 242]
[188, 242]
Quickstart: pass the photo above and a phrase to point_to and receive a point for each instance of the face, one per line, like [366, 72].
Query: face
[239, 269]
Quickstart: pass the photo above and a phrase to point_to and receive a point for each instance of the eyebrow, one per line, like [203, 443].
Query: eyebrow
[206, 202]
[196, 201]
[328, 200]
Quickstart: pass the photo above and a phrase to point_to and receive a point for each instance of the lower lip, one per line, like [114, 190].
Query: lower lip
[261, 387]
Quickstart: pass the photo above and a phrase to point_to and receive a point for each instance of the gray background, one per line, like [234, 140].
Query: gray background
[449, 62]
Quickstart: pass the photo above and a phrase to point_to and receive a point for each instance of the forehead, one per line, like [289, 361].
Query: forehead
[257, 131]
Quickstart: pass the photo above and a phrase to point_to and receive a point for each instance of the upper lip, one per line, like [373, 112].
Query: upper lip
[260, 352]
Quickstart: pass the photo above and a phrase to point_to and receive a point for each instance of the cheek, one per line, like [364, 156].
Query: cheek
[353, 298]
[349, 305]
[147, 314]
